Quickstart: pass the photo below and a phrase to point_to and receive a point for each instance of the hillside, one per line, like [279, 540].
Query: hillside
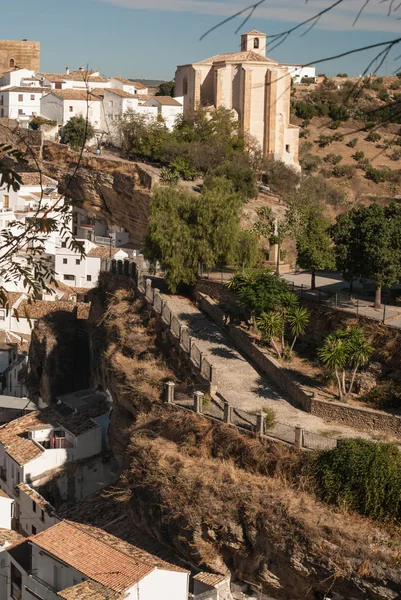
[342, 118]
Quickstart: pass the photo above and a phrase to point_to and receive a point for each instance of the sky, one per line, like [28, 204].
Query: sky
[149, 38]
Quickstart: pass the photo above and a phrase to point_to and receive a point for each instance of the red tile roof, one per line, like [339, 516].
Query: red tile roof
[119, 92]
[211, 579]
[237, 57]
[36, 178]
[75, 95]
[89, 590]
[167, 101]
[94, 558]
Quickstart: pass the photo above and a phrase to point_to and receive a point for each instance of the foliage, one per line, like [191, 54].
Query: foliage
[373, 137]
[187, 229]
[352, 143]
[166, 89]
[36, 122]
[338, 112]
[169, 175]
[280, 177]
[247, 251]
[344, 351]
[344, 171]
[359, 155]
[142, 137]
[361, 475]
[377, 175]
[184, 169]
[305, 110]
[76, 132]
[368, 244]
[264, 227]
[396, 154]
[324, 140]
[385, 395]
[314, 248]
[332, 158]
[240, 174]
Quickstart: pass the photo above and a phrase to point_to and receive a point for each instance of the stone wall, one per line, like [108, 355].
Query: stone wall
[359, 418]
[25, 54]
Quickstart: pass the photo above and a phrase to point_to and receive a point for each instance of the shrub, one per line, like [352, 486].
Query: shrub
[332, 158]
[270, 418]
[373, 137]
[397, 141]
[305, 110]
[310, 162]
[369, 126]
[395, 85]
[344, 171]
[308, 80]
[304, 133]
[376, 175]
[338, 112]
[169, 175]
[384, 395]
[184, 168]
[38, 121]
[396, 154]
[335, 125]
[352, 143]
[342, 75]
[324, 140]
[337, 137]
[322, 109]
[359, 155]
[361, 475]
[398, 74]
[364, 164]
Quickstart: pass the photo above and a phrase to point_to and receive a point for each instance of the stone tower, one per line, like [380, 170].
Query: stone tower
[254, 40]
[19, 53]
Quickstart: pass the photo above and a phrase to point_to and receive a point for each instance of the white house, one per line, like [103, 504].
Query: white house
[43, 440]
[12, 407]
[11, 364]
[17, 77]
[21, 103]
[61, 105]
[6, 510]
[7, 539]
[71, 560]
[168, 108]
[132, 87]
[80, 79]
[299, 72]
[32, 513]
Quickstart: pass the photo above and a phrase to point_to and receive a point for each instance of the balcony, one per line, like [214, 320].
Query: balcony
[40, 588]
[3, 473]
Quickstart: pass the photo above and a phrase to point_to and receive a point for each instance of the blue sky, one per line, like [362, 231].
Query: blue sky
[148, 38]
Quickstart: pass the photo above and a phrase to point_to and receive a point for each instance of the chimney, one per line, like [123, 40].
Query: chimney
[67, 70]
[82, 69]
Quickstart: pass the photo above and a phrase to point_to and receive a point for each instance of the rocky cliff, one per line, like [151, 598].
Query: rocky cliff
[221, 500]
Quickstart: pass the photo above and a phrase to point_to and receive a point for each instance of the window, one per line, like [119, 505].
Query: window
[256, 43]
[64, 244]
[57, 578]
[6, 201]
[20, 97]
[69, 277]
[34, 506]
[111, 103]
[42, 515]
[18, 475]
[77, 261]
[32, 96]
[58, 86]
[65, 261]
[12, 63]
[185, 86]
[89, 278]
[20, 111]
[287, 148]
[33, 530]
[12, 470]
[71, 108]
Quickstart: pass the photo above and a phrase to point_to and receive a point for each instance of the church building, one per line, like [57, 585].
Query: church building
[257, 88]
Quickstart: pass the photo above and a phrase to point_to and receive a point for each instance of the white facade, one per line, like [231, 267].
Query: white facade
[32, 513]
[20, 102]
[168, 109]
[60, 108]
[6, 510]
[127, 86]
[17, 77]
[299, 72]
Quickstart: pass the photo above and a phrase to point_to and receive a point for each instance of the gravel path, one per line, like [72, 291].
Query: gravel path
[240, 383]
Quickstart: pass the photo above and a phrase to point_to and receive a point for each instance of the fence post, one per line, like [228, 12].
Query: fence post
[114, 266]
[384, 313]
[299, 437]
[126, 268]
[148, 290]
[260, 423]
[170, 385]
[213, 378]
[198, 401]
[157, 291]
[227, 413]
[120, 267]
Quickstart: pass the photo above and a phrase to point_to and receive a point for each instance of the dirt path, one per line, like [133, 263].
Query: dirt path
[240, 383]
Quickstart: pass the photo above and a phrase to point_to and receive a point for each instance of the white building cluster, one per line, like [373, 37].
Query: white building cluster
[25, 94]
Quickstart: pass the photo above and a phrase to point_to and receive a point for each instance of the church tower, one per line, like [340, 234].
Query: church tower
[254, 40]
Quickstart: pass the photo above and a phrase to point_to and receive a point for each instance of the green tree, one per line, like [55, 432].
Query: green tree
[368, 245]
[166, 88]
[240, 174]
[187, 229]
[247, 251]
[77, 131]
[270, 326]
[298, 319]
[345, 351]
[143, 138]
[314, 245]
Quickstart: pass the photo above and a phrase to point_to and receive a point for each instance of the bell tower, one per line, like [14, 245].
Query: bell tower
[255, 41]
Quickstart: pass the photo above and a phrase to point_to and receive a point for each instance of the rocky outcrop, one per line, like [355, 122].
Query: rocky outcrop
[115, 190]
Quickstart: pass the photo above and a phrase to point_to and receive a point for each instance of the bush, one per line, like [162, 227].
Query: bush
[359, 155]
[333, 159]
[308, 80]
[364, 164]
[373, 137]
[342, 75]
[337, 137]
[363, 476]
[338, 112]
[169, 175]
[335, 125]
[384, 395]
[395, 85]
[324, 140]
[304, 133]
[36, 123]
[369, 126]
[184, 168]
[77, 132]
[305, 110]
[352, 143]
[396, 154]
[344, 171]
[398, 74]
[377, 175]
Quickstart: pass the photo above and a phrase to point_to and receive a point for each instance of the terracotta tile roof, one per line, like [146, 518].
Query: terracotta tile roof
[14, 435]
[8, 535]
[36, 497]
[254, 32]
[27, 90]
[237, 57]
[74, 76]
[5, 343]
[102, 252]
[211, 579]
[139, 86]
[75, 95]
[12, 298]
[90, 590]
[166, 101]
[36, 178]
[41, 308]
[121, 93]
[94, 558]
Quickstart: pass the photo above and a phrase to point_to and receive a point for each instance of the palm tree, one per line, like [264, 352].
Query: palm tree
[287, 302]
[359, 353]
[333, 356]
[269, 325]
[298, 319]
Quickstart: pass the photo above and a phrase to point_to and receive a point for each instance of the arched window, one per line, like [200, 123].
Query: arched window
[185, 86]
[256, 43]
[12, 63]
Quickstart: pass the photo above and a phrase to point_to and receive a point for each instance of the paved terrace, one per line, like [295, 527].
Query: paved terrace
[239, 382]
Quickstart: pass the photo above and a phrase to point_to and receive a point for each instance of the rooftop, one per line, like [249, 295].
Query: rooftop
[98, 559]
[7, 535]
[27, 90]
[10, 402]
[238, 57]
[119, 92]
[89, 590]
[5, 342]
[36, 497]
[75, 76]
[82, 399]
[211, 579]
[14, 435]
[102, 252]
[37, 178]
[75, 95]
[139, 86]
[166, 101]
[254, 32]
[41, 308]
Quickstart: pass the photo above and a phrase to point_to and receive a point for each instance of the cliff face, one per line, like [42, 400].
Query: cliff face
[221, 500]
[116, 191]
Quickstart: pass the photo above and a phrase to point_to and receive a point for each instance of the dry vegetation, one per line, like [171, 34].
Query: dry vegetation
[221, 499]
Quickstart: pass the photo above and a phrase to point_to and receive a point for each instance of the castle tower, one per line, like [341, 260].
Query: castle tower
[19, 53]
[254, 40]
